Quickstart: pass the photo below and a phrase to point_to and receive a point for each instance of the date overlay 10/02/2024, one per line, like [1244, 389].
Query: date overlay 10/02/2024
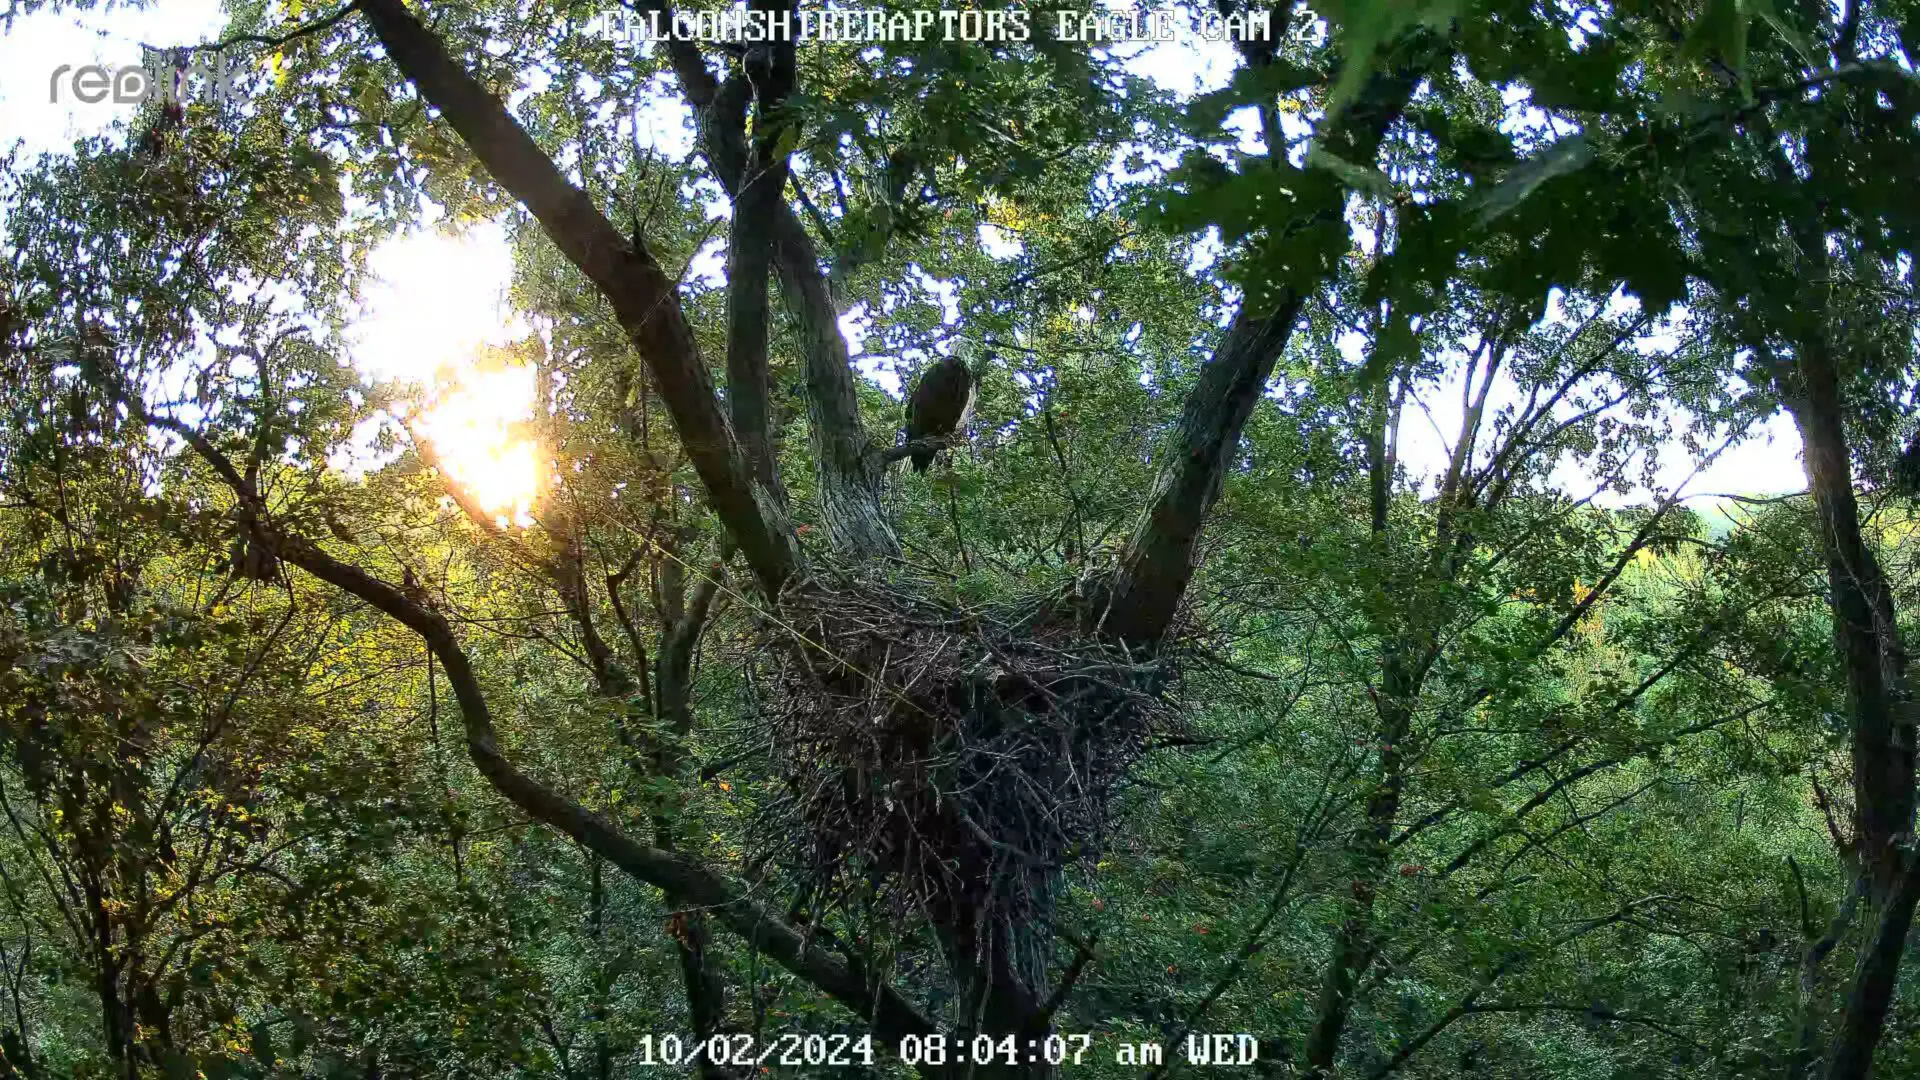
[937, 1049]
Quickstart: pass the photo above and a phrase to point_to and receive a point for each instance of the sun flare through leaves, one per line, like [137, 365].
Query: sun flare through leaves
[478, 428]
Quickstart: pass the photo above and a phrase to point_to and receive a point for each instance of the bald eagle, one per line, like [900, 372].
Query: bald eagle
[938, 405]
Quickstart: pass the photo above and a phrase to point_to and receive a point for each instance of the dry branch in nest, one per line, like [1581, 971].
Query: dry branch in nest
[949, 760]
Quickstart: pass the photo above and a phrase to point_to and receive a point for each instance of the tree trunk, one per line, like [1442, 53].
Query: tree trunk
[1369, 848]
[116, 1021]
[673, 687]
[747, 380]
[1159, 557]
[1864, 1016]
[848, 469]
[758, 191]
[1879, 709]
[1139, 603]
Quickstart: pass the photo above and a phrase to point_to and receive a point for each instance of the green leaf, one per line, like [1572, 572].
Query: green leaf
[1766, 12]
[1364, 26]
[1563, 157]
[1722, 31]
[1361, 177]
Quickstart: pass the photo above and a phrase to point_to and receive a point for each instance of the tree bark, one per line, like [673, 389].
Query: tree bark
[1367, 856]
[1879, 708]
[1864, 630]
[757, 194]
[846, 467]
[1159, 557]
[748, 389]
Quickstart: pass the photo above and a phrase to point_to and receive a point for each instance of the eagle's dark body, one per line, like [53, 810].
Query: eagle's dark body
[938, 405]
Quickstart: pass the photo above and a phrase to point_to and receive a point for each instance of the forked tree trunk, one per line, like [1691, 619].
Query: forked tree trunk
[848, 468]
[1000, 965]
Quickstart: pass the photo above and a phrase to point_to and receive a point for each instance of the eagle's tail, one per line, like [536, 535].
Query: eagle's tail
[921, 459]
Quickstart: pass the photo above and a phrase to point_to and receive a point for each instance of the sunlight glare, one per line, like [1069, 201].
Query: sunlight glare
[475, 429]
[434, 314]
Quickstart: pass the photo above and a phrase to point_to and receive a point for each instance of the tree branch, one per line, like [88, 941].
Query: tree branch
[1470, 1003]
[849, 479]
[687, 881]
[1138, 603]
[643, 298]
[307, 29]
[756, 195]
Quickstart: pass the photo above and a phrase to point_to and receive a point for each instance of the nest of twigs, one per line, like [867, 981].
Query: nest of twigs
[951, 760]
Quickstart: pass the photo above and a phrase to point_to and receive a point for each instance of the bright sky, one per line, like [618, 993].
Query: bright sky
[441, 298]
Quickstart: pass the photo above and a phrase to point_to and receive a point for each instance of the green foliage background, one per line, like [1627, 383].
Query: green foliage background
[238, 809]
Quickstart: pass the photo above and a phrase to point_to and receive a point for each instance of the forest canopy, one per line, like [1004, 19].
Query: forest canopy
[996, 565]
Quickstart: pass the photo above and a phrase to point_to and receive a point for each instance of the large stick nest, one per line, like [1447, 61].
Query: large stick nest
[948, 759]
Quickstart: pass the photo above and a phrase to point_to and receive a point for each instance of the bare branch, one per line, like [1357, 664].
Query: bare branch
[275, 41]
